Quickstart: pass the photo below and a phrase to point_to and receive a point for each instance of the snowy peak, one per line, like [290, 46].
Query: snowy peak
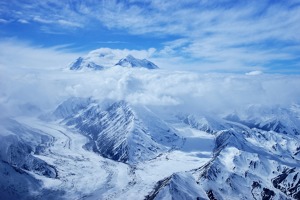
[101, 59]
[133, 62]
[82, 63]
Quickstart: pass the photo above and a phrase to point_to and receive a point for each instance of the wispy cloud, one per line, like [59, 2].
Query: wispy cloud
[69, 23]
[3, 21]
[51, 12]
[23, 21]
[244, 34]
[41, 20]
[57, 22]
[112, 42]
[16, 54]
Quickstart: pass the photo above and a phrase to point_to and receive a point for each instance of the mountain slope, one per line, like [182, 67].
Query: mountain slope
[117, 132]
[253, 164]
[20, 146]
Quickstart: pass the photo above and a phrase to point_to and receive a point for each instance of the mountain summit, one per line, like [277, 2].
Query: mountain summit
[133, 62]
[82, 63]
[100, 59]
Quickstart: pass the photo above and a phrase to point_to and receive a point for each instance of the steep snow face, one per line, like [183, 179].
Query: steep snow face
[118, 132]
[82, 63]
[133, 62]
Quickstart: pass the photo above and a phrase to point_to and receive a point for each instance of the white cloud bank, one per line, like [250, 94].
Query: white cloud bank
[183, 91]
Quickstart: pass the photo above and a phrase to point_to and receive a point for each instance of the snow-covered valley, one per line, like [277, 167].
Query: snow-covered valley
[83, 174]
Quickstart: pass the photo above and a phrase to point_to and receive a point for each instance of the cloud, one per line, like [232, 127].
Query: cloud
[60, 22]
[41, 20]
[53, 13]
[23, 21]
[3, 21]
[254, 73]
[17, 54]
[112, 42]
[69, 23]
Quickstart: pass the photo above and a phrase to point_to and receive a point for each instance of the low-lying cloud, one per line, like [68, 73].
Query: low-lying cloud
[184, 91]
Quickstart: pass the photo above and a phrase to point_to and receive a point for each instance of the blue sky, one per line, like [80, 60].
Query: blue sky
[217, 36]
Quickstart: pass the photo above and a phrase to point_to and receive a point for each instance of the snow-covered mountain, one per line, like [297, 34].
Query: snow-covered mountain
[253, 163]
[133, 62]
[117, 131]
[82, 63]
[99, 60]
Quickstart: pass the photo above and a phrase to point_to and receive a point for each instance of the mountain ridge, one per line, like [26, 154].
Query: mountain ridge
[97, 61]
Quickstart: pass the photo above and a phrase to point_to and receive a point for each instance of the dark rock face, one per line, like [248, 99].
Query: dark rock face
[267, 194]
[210, 195]
[288, 182]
